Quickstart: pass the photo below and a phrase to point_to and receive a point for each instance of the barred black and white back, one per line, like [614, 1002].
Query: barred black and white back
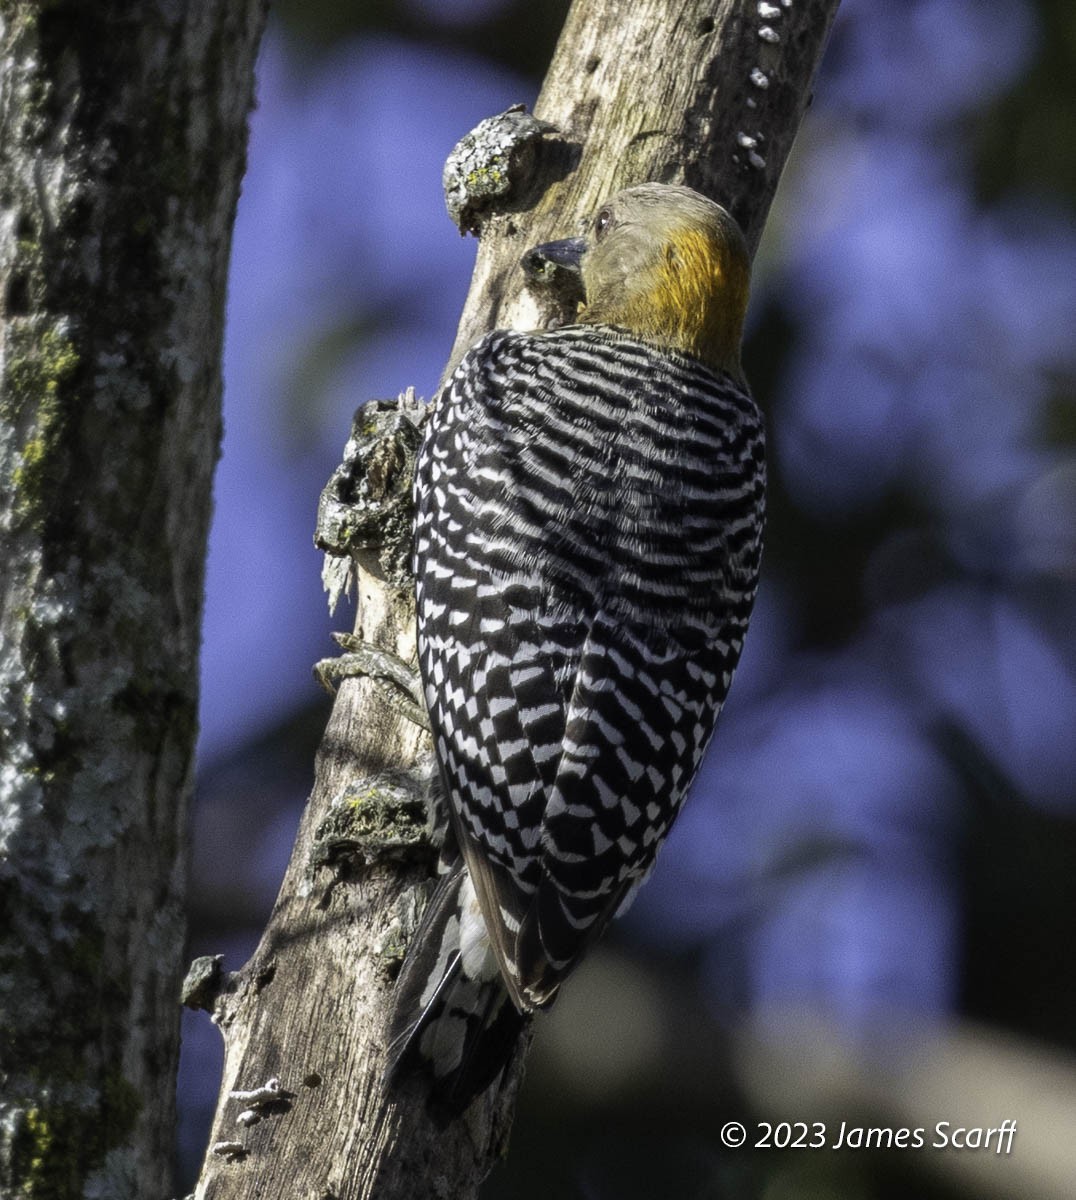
[588, 536]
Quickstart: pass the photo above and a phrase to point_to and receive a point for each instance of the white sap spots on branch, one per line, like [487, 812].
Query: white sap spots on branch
[751, 103]
[759, 78]
[767, 34]
[747, 141]
[756, 160]
[768, 12]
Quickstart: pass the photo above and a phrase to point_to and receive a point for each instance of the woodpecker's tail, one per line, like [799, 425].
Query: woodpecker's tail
[453, 1019]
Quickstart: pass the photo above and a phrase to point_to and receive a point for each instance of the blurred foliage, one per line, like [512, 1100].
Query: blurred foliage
[1026, 137]
[825, 558]
[1019, 883]
[518, 34]
[310, 375]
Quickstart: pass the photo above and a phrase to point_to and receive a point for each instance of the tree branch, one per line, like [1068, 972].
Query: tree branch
[695, 95]
[122, 144]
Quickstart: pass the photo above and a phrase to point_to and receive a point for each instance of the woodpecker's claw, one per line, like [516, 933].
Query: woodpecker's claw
[360, 658]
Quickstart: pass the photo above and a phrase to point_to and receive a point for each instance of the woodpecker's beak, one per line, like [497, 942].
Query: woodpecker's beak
[552, 262]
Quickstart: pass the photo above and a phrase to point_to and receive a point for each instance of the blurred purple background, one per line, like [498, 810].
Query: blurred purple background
[896, 763]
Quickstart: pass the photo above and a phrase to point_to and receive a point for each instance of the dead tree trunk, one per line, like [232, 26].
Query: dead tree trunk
[694, 92]
[122, 144]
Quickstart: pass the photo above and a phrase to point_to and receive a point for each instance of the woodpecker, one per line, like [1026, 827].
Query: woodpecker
[589, 517]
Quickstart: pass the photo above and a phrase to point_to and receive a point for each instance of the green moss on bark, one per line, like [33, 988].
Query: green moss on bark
[56, 1146]
[41, 362]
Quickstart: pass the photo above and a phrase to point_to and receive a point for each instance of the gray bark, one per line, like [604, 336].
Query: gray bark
[695, 93]
[122, 143]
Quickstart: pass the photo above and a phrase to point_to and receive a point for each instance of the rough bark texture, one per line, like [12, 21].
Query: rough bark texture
[691, 92]
[122, 144]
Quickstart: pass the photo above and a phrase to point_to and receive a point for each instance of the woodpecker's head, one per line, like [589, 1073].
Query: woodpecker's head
[666, 264]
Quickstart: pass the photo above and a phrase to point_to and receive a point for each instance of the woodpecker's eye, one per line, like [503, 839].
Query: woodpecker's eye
[602, 222]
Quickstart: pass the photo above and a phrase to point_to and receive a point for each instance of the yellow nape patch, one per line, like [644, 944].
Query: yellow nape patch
[692, 299]
[672, 268]
[700, 296]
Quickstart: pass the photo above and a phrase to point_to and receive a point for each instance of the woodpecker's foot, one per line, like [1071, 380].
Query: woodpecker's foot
[404, 694]
[491, 165]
